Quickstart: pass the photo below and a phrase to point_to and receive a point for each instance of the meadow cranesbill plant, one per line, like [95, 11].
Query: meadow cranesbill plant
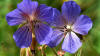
[67, 25]
[32, 16]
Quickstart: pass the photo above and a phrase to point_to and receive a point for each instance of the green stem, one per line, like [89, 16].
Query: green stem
[53, 49]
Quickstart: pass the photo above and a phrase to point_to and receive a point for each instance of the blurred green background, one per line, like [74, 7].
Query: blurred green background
[91, 42]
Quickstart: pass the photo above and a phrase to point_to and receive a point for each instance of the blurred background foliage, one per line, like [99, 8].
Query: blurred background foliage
[91, 42]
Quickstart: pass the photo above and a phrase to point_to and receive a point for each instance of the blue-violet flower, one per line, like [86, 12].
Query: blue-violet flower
[67, 24]
[33, 17]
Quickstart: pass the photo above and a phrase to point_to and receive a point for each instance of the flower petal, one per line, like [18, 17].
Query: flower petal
[23, 37]
[14, 17]
[27, 6]
[57, 18]
[45, 13]
[70, 11]
[34, 6]
[56, 38]
[42, 33]
[71, 43]
[82, 25]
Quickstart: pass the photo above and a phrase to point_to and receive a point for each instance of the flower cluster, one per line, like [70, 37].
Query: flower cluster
[38, 19]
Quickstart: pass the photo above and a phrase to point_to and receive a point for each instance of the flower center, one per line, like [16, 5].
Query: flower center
[67, 28]
[34, 21]
[32, 18]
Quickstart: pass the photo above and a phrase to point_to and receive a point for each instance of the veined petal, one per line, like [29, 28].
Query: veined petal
[23, 37]
[45, 13]
[27, 6]
[15, 17]
[71, 43]
[57, 18]
[82, 25]
[43, 33]
[34, 6]
[70, 11]
[56, 38]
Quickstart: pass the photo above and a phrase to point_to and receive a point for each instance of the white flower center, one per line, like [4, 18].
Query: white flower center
[68, 27]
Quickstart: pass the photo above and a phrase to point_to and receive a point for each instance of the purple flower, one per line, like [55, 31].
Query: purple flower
[67, 24]
[33, 17]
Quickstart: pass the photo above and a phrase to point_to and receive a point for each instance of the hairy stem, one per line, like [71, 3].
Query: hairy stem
[33, 45]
